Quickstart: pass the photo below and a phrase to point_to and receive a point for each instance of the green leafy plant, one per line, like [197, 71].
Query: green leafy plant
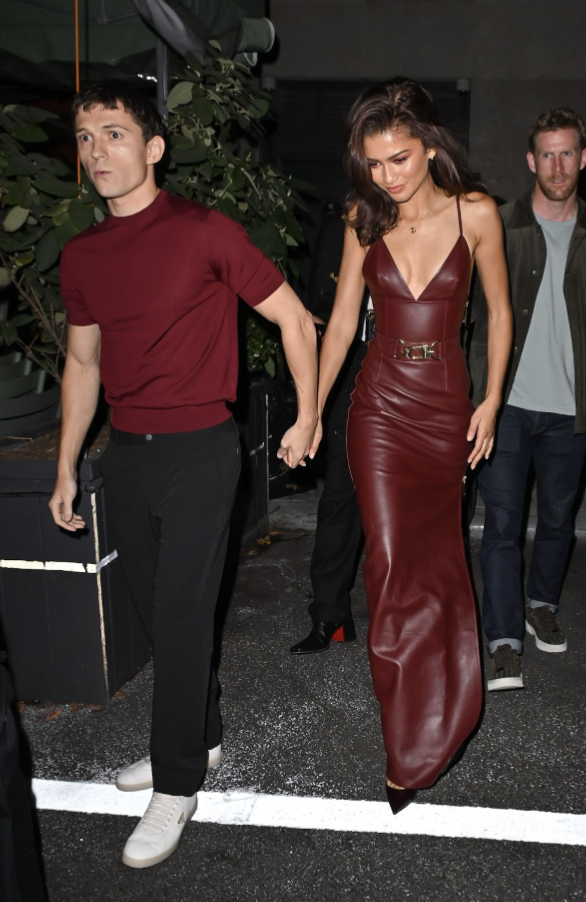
[41, 208]
[213, 126]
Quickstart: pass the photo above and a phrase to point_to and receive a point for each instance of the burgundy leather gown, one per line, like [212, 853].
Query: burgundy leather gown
[408, 452]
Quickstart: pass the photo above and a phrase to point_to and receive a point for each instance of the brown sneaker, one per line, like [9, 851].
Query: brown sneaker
[504, 669]
[541, 622]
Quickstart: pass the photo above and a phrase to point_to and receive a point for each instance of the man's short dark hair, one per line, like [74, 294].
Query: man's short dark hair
[554, 121]
[111, 94]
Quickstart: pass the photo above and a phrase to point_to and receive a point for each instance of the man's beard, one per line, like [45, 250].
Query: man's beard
[559, 192]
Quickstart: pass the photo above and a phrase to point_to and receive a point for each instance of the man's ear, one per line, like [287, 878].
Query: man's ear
[583, 159]
[155, 149]
[531, 162]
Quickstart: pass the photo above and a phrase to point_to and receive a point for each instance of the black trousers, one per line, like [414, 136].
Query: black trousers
[169, 500]
[21, 876]
[338, 538]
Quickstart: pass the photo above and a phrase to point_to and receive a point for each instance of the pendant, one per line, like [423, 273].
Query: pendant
[413, 229]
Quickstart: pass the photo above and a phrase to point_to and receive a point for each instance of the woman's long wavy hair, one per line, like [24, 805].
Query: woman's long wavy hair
[401, 105]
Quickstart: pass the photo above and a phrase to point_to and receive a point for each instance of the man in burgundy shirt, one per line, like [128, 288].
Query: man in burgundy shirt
[151, 296]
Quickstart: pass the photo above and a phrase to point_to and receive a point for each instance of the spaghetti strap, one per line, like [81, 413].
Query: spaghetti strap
[459, 213]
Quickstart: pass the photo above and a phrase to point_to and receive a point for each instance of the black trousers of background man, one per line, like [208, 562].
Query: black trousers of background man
[338, 538]
[21, 877]
[169, 501]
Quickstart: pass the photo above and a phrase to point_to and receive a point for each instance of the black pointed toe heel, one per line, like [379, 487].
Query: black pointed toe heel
[322, 633]
[399, 798]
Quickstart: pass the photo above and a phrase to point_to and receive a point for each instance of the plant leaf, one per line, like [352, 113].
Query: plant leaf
[8, 332]
[15, 218]
[21, 319]
[29, 133]
[82, 215]
[50, 184]
[179, 95]
[47, 252]
[189, 153]
[204, 110]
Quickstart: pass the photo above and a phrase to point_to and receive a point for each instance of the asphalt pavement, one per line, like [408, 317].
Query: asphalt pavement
[302, 735]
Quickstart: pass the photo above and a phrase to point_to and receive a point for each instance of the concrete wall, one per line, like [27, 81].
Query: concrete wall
[521, 56]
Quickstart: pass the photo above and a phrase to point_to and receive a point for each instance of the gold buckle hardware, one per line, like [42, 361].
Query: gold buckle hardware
[426, 351]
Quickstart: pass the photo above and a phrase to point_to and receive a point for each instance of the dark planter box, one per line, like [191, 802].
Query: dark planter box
[71, 630]
[70, 627]
[251, 509]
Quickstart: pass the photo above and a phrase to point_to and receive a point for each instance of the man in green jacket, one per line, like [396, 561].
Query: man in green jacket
[543, 421]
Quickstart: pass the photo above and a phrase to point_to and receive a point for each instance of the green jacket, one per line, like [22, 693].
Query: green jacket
[526, 252]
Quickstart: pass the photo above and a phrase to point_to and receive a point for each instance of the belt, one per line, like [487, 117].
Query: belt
[432, 350]
[119, 437]
[418, 351]
[168, 439]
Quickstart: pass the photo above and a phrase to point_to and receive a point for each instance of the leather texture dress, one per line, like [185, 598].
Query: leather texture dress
[408, 451]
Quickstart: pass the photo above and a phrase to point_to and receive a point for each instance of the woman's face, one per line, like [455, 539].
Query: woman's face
[398, 164]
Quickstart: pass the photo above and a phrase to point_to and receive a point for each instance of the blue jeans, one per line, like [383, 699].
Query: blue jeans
[546, 440]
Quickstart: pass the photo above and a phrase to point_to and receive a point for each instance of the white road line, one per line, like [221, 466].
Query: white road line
[306, 813]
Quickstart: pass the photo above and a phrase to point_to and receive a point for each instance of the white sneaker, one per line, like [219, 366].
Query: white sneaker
[140, 776]
[159, 830]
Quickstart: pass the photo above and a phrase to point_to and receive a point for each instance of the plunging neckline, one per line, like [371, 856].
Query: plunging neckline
[434, 277]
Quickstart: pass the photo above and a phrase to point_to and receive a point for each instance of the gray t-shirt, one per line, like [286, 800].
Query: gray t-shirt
[544, 380]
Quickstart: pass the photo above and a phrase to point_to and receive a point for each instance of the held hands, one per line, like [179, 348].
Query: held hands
[482, 428]
[61, 504]
[298, 443]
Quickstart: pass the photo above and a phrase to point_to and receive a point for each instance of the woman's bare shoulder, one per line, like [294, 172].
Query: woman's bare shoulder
[351, 237]
[480, 211]
[477, 203]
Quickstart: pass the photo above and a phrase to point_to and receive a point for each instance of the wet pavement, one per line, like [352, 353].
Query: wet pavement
[308, 727]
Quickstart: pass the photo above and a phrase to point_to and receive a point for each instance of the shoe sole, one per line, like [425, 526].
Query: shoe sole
[148, 862]
[156, 859]
[134, 787]
[213, 761]
[505, 683]
[342, 634]
[544, 646]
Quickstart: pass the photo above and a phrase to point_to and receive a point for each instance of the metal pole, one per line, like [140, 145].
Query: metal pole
[162, 62]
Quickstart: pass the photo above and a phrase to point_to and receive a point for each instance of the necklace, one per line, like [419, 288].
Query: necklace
[413, 229]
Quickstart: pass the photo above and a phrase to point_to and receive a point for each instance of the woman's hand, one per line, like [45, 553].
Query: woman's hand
[482, 428]
[297, 444]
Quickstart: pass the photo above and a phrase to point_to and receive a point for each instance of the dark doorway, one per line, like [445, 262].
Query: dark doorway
[309, 136]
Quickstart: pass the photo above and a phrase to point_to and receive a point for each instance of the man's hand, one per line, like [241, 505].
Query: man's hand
[61, 504]
[297, 444]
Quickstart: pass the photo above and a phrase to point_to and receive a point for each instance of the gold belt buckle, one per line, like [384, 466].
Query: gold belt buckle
[426, 351]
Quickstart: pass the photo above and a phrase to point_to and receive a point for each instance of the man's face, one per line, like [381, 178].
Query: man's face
[113, 151]
[557, 162]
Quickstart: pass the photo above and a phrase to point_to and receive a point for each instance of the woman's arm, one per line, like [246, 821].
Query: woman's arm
[492, 268]
[343, 322]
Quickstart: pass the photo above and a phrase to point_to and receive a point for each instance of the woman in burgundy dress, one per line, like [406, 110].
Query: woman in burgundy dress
[417, 221]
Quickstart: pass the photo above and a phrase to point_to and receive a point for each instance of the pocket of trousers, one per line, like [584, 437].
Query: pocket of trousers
[228, 459]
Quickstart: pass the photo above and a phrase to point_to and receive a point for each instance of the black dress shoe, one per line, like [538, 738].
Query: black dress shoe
[399, 798]
[322, 634]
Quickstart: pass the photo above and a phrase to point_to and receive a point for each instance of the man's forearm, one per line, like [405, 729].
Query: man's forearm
[80, 390]
[300, 346]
